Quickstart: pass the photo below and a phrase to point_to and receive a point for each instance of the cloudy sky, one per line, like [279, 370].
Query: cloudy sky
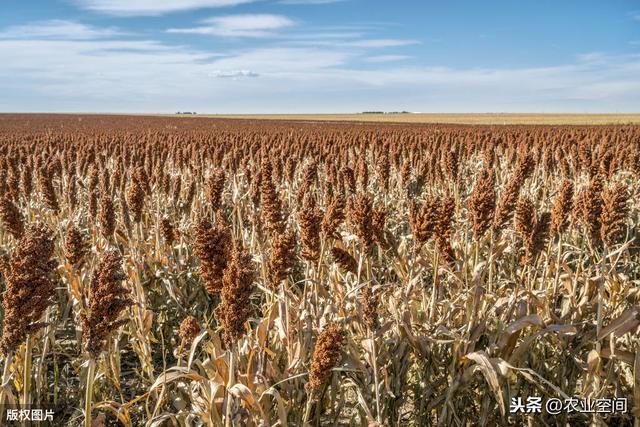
[308, 56]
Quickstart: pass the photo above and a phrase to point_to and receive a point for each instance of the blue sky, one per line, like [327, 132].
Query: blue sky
[319, 56]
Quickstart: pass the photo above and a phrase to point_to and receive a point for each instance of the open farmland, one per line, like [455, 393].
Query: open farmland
[165, 271]
[442, 118]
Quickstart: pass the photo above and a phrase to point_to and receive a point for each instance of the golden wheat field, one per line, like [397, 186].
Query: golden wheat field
[161, 271]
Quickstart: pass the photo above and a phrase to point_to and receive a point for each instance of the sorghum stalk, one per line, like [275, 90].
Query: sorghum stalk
[88, 396]
[26, 374]
[230, 382]
[6, 373]
[436, 266]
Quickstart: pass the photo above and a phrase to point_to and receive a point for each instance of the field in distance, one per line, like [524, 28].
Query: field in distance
[466, 118]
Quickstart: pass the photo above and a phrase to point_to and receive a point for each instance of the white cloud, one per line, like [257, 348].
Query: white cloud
[152, 7]
[94, 74]
[635, 15]
[248, 25]
[386, 58]
[281, 61]
[233, 74]
[592, 57]
[323, 35]
[362, 43]
[57, 29]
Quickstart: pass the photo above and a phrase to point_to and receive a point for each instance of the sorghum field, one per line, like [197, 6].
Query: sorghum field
[168, 271]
